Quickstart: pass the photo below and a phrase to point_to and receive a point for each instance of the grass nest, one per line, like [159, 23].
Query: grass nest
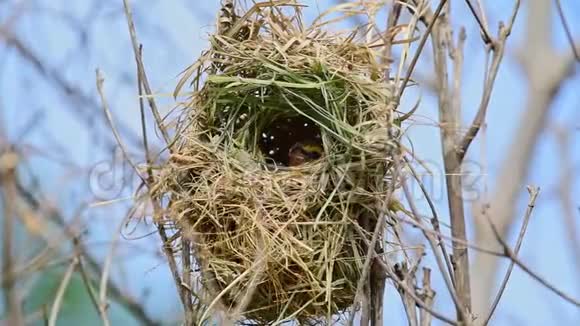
[277, 242]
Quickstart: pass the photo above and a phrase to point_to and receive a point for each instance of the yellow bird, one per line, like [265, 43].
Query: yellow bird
[303, 152]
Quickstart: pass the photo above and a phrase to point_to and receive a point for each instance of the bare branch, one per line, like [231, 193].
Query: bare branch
[429, 296]
[370, 255]
[8, 163]
[88, 283]
[186, 271]
[394, 14]
[399, 283]
[137, 50]
[567, 30]
[485, 35]
[565, 190]
[452, 165]
[531, 204]
[100, 80]
[132, 306]
[434, 221]
[61, 291]
[535, 55]
[84, 105]
[420, 47]
[498, 49]
[511, 255]
[431, 239]
[408, 278]
[184, 295]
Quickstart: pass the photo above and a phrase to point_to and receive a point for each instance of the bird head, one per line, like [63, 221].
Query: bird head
[303, 152]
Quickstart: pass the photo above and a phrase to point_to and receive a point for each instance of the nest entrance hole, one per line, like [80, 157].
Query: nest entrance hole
[277, 139]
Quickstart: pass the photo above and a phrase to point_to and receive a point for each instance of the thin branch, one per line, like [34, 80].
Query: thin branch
[8, 163]
[420, 47]
[429, 298]
[510, 254]
[434, 220]
[427, 230]
[485, 35]
[60, 292]
[144, 82]
[103, 305]
[446, 277]
[370, 255]
[137, 50]
[84, 105]
[168, 251]
[132, 306]
[566, 192]
[482, 13]
[99, 81]
[542, 87]
[567, 30]
[392, 20]
[409, 303]
[186, 272]
[371, 250]
[452, 165]
[399, 283]
[498, 53]
[89, 287]
[534, 192]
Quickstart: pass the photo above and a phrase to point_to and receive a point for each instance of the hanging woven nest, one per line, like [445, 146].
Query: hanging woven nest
[283, 148]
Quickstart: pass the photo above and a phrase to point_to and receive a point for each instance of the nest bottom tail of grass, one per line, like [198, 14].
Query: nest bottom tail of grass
[282, 241]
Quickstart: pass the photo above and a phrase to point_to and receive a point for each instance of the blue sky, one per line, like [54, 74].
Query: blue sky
[173, 34]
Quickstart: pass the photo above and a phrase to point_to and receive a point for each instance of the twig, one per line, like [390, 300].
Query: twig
[168, 251]
[434, 221]
[485, 35]
[567, 30]
[132, 306]
[394, 15]
[429, 296]
[186, 272]
[409, 303]
[370, 254]
[446, 277]
[510, 254]
[99, 81]
[90, 290]
[566, 191]
[393, 276]
[482, 13]
[103, 304]
[452, 164]
[61, 291]
[542, 87]
[143, 81]
[85, 106]
[427, 230]
[498, 52]
[534, 192]
[8, 163]
[137, 50]
[420, 47]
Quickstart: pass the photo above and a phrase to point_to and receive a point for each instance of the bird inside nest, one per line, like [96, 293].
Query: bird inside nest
[292, 141]
[303, 152]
